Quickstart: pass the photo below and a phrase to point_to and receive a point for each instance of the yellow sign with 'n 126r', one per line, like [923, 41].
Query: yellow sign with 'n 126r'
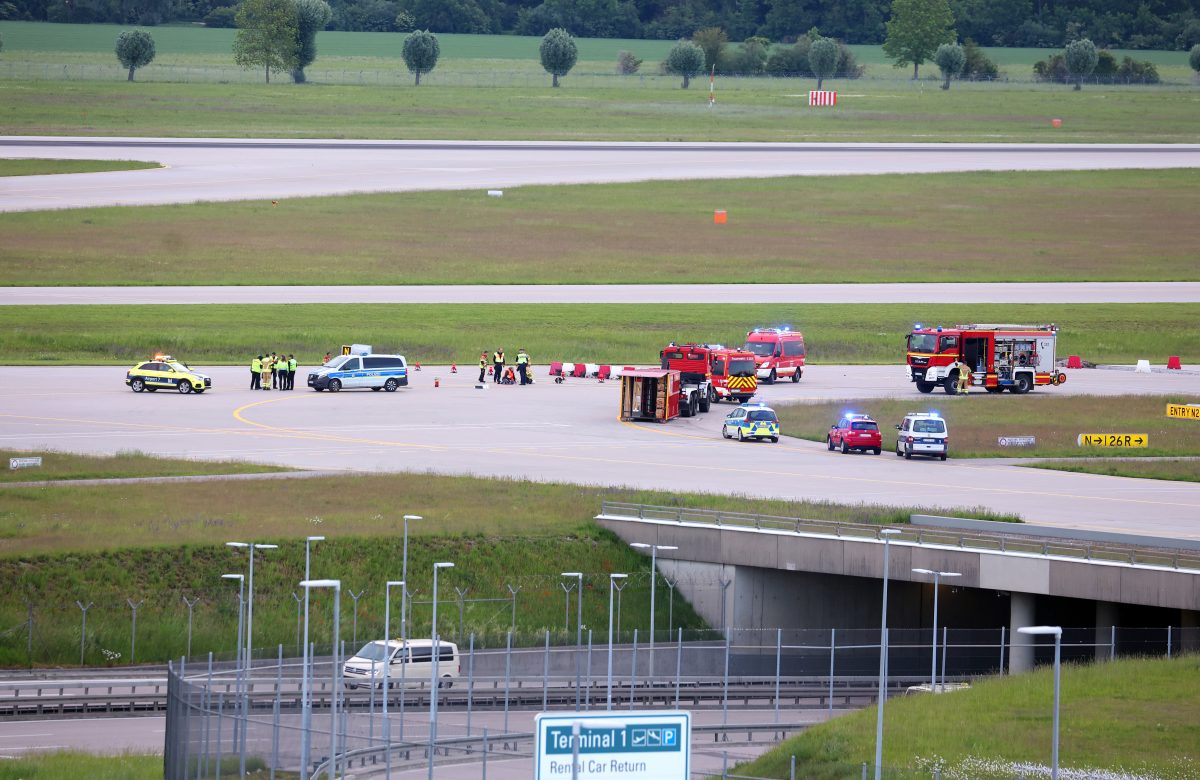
[1113, 440]
[1184, 412]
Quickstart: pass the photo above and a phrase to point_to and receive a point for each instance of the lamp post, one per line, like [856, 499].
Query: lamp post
[404, 578]
[1056, 632]
[250, 547]
[654, 548]
[334, 682]
[387, 643]
[305, 693]
[437, 652]
[241, 580]
[612, 581]
[578, 575]
[887, 534]
[937, 575]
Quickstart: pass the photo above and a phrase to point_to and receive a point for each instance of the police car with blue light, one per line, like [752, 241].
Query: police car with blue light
[751, 421]
[359, 367]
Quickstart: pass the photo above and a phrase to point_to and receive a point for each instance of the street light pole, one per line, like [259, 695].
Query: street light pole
[654, 548]
[578, 575]
[937, 575]
[404, 578]
[334, 682]
[612, 580]
[305, 692]
[241, 580]
[887, 534]
[437, 652]
[1056, 632]
[387, 655]
[250, 547]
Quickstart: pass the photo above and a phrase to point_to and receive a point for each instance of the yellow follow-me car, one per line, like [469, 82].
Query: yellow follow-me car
[164, 371]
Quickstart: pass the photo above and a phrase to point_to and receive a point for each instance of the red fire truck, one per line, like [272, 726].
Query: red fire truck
[778, 352]
[692, 363]
[715, 371]
[998, 357]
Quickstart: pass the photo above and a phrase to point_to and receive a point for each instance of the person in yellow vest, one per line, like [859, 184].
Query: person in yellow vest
[268, 371]
[523, 366]
[964, 378]
[482, 365]
[498, 365]
[255, 373]
[292, 363]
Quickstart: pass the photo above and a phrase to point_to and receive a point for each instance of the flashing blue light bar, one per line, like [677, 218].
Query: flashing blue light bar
[917, 326]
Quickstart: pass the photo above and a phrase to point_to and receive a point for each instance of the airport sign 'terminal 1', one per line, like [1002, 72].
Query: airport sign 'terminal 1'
[624, 746]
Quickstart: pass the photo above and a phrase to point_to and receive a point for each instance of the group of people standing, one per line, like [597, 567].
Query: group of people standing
[502, 375]
[273, 372]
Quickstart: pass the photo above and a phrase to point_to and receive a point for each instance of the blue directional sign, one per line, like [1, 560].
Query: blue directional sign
[630, 746]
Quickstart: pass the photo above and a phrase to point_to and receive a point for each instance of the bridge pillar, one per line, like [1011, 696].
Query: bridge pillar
[1106, 618]
[1189, 637]
[1020, 614]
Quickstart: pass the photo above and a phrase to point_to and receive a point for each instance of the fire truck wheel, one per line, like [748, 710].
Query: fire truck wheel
[706, 401]
[1023, 385]
[951, 383]
[925, 387]
[829, 443]
[845, 449]
[796, 376]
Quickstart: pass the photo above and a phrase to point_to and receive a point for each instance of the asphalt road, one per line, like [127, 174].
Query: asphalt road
[569, 433]
[244, 169]
[106, 735]
[1072, 292]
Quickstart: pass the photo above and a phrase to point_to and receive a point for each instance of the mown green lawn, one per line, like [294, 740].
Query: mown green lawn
[1179, 469]
[58, 466]
[30, 167]
[618, 334]
[989, 227]
[978, 420]
[1132, 717]
[73, 766]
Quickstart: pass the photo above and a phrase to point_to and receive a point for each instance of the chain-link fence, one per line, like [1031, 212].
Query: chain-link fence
[223, 718]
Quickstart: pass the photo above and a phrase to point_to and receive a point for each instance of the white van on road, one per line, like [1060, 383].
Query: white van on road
[411, 664]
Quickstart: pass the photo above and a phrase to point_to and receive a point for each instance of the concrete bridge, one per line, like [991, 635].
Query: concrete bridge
[746, 571]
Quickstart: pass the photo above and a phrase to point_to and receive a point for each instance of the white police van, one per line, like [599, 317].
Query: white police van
[361, 368]
[923, 433]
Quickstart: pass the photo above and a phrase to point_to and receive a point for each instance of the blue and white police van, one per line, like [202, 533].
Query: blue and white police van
[361, 368]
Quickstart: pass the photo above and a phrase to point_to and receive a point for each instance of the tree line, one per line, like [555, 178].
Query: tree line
[1133, 24]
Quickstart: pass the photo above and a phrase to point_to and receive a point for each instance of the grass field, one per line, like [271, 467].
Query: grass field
[72, 766]
[976, 421]
[626, 333]
[1178, 469]
[19, 167]
[59, 466]
[1132, 718]
[163, 542]
[988, 227]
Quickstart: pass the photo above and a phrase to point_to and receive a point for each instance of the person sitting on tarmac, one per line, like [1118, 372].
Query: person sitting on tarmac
[510, 376]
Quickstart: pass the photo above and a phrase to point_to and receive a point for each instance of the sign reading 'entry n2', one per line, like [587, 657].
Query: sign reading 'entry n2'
[629, 746]
[1184, 412]
[1114, 440]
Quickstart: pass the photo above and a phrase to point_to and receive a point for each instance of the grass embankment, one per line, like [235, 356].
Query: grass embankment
[66, 466]
[1135, 226]
[1178, 470]
[163, 542]
[625, 333]
[978, 420]
[1127, 719]
[514, 107]
[31, 167]
[73, 766]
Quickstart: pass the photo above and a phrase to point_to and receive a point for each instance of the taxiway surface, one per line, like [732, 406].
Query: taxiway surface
[569, 433]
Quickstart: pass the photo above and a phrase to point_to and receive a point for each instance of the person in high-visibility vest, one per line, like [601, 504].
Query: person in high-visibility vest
[255, 373]
[498, 365]
[267, 376]
[523, 365]
[292, 372]
[964, 378]
[482, 366]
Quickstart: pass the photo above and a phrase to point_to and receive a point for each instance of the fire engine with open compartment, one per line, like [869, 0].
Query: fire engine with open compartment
[1016, 358]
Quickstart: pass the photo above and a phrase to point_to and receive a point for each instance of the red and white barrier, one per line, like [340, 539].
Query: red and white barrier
[822, 97]
[581, 370]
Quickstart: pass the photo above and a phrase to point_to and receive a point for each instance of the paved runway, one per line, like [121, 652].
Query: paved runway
[569, 433]
[242, 169]
[1071, 292]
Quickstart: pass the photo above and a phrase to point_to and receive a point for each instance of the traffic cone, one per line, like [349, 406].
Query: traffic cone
[437, 382]
[418, 365]
[453, 368]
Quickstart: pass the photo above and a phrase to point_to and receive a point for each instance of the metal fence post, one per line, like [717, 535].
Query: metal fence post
[945, 636]
[587, 694]
[1168, 639]
[633, 674]
[513, 622]
[725, 686]
[485, 752]
[507, 673]
[29, 633]
[1003, 630]
[832, 654]
[133, 605]
[83, 628]
[220, 747]
[299, 606]
[778, 662]
[207, 719]
[724, 764]
[792, 768]
[275, 712]
[678, 664]
[470, 682]
[1112, 643]
[546, 671]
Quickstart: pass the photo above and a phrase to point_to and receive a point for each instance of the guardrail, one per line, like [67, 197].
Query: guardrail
[1013, 542]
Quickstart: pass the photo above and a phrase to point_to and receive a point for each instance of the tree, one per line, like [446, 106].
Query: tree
[421, 52]
[266, 35]
[311, 18]
[135, 49]
[712, 40]
[627, 63]
[558, 53]
[449, 16]
[950, 59]
[916, 29]
[823, 59]
[1080, 58]
[1194, 58]
[685, 59]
